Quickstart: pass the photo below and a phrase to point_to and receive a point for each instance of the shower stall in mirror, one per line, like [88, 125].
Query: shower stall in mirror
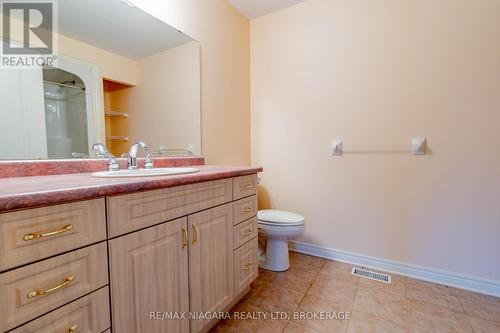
[65, 113]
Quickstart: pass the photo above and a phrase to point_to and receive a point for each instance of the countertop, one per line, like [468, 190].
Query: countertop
[26, 192]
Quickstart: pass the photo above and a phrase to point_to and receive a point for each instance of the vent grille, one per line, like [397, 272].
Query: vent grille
[371, 275]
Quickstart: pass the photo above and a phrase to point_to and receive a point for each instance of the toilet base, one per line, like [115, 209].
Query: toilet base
[275, 257]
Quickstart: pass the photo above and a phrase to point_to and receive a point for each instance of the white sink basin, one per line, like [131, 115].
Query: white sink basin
[144, 172]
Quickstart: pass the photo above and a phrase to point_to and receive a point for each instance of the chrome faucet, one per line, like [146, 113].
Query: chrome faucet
[132, 154]
[102, 152]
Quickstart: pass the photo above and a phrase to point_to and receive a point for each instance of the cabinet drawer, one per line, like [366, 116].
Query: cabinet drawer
[36, 289]
[245, 209]
[244, 186]
[246, 265]
[34, 234]
[244, 232]
[89, 314]
[139, 210]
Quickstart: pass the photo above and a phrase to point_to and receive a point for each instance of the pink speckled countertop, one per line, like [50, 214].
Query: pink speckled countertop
[27, 168]
[25, 192]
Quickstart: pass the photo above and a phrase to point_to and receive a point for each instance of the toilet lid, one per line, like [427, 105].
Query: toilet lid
[272, 216]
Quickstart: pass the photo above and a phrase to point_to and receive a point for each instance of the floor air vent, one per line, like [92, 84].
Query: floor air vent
[371, 275]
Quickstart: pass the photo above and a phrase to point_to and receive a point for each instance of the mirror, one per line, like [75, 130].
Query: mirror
[121, 76]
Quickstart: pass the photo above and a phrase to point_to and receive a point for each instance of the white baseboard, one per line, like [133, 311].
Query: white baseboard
[489, 287]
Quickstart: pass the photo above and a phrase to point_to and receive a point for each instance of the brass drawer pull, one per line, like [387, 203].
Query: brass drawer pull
[36, 235]
[196, 233]
[247, 267]
[66, 282]
[247, 209]
[248, 232]
[73, 329]
[246, 186]
[184, 237]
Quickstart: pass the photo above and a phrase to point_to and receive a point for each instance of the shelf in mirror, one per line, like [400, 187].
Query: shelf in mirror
[117, 138]
[116, 114]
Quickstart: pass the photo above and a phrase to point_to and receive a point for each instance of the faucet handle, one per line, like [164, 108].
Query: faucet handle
[79, 155]
[113, 164]
[148, 162]
[100, 150]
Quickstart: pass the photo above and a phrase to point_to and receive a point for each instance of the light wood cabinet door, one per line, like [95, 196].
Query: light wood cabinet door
[149, 279]
[211, 266]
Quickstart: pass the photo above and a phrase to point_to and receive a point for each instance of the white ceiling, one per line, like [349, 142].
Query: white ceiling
[255, 8]
[117, 27]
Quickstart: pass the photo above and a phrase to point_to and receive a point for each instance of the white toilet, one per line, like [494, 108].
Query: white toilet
[276, 227]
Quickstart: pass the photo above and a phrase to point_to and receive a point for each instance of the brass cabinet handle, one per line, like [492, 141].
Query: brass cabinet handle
[248, 232]
[73, 329]
[66, 282]
[246, 186]
[247, 209]
[196, 233]
[36, 235]
[184, 237]
[247, 267]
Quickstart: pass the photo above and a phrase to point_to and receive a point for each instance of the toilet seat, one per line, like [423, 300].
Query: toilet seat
[279, 218]
[280, 224]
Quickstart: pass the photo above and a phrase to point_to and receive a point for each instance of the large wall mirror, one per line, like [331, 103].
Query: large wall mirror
[121, 76]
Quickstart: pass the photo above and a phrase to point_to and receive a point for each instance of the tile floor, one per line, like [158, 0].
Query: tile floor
[314, 285]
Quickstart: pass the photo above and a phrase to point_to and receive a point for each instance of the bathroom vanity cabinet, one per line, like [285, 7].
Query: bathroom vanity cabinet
[152, 261]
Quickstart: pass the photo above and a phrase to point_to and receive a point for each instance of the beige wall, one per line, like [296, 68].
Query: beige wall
[111, 65]
[378, 73]
[225, 72]
[165, 104]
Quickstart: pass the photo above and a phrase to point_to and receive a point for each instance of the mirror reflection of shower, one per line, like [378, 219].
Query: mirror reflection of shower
[65, 113]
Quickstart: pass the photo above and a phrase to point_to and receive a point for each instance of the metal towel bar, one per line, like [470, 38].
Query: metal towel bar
[418, 147]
